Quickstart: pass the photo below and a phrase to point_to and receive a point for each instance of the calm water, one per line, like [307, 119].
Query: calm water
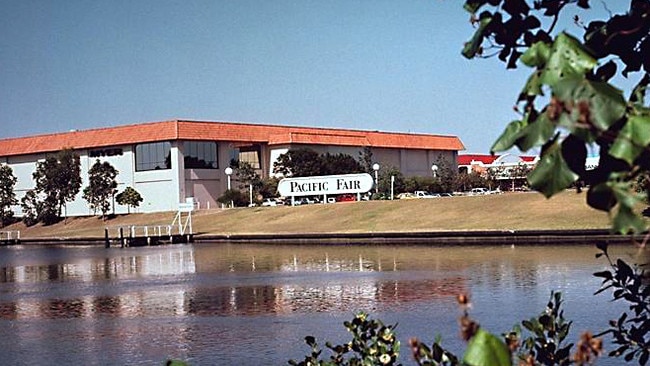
[215, 304]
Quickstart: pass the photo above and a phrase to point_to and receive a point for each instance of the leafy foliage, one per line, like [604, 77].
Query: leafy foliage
[549, 331]
[631, 332]
[58, 180]
[466, 181]
[568, 102]
[129, 197]
[365, 159]
[299, 163]
[373, 343]
[233, 197]
[39, 208]
[340, 164]
[247, 176]
[307, 163]
[7, 194]
[384, 177]
[101, 186]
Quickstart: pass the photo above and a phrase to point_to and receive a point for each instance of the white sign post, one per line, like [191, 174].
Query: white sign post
[325, 185]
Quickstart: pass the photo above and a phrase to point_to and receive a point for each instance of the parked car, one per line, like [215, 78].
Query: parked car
[269, 202]
[423, 194]
[346, 198]
[406, 196]
[309, 201]
[478, 191]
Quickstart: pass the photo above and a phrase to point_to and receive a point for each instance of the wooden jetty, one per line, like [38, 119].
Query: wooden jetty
[137, 236]
[179, 231]
[9, 237]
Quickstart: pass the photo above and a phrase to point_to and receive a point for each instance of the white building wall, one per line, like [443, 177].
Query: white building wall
[23, 167]
[160, 189]
[274, 155]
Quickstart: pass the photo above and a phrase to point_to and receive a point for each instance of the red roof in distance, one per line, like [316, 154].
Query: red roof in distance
[487, 159]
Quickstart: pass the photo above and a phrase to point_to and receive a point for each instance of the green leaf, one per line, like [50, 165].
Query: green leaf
[601, 197]
[638, 93]
[472, 6]
[552, 174]
[533, 86]
[536, 134]
[567, 58]
[632, 140]
[624, 192]
[472, 47]
[537, 55]
[509, 136]
[485, 349]
[593, 102]
[626, 221]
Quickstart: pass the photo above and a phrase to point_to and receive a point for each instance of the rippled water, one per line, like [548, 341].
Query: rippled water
[215, 304]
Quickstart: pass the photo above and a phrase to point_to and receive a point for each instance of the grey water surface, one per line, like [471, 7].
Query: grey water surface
[226, 304]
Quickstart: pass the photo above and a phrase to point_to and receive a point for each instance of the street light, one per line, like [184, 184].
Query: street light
[375, 167]
[228, 172]
[434, 169]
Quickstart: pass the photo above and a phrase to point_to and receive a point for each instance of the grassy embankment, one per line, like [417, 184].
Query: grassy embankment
[511, 211]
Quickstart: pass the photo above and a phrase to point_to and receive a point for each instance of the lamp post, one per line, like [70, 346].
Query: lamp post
[228, 172]
[434, 169]
[375, 167]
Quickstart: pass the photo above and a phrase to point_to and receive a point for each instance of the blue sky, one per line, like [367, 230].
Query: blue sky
[377, 65]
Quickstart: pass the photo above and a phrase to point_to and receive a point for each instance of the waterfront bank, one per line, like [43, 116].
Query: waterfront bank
[507, 219]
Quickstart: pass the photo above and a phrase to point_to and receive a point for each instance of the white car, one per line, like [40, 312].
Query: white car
[478, 191]
[269, 202]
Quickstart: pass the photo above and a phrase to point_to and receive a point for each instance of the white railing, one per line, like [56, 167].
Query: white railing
[150, 230]
[9, 235]
[139, 231]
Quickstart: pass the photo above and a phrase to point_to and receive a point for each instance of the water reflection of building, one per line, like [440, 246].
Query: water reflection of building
[159, 264]
[305, 292]
[220, 280]
[34, 280]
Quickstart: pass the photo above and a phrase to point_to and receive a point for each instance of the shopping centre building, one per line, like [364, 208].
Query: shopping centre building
[171, 161]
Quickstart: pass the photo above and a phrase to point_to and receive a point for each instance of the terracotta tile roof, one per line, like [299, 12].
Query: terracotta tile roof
[222, 131]
[466, 159]
[321, 138]
[100, 137]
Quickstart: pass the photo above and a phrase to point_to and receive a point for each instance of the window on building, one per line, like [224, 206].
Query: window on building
[153, 156]
[200, 155]
[250, 155]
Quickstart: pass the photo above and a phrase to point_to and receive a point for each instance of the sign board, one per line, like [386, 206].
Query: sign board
[186, 207]
[325, 185]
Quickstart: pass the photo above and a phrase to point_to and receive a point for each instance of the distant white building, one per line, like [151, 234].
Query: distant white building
[481, 163]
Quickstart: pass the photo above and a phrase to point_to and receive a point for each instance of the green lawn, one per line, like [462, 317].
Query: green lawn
[510, 211]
